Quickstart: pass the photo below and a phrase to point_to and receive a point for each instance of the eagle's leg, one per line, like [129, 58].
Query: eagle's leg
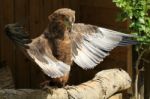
[44, 83]
[48, 89]
[50, 83]
[46, 86]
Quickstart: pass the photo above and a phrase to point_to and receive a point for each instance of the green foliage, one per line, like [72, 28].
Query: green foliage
[137, 12]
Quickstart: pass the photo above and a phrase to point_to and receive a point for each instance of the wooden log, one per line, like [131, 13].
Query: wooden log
[105, 84]
[116, 96]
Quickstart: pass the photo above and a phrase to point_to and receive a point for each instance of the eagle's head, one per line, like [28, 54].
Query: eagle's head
[64, 14]
[61, 20]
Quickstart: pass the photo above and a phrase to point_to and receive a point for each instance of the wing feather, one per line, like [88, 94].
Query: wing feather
[91, 44]
[42, 55]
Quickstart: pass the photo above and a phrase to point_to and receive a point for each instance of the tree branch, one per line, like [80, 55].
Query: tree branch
[102, 86]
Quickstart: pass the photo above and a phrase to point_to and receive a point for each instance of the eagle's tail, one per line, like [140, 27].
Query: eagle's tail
[17, 34]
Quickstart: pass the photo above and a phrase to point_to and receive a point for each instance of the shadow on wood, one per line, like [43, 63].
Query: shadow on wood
[6, 79]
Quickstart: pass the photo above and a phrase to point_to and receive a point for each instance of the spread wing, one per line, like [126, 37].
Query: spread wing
[38, 49]
[91, 44]
[41, 53]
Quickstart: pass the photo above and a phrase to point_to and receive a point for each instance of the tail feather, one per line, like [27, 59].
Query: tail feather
[17, 34]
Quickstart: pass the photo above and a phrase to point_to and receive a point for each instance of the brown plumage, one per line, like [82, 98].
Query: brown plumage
[64, 41]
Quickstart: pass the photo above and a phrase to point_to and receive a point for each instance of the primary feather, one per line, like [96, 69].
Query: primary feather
[39, 50]
[91, 44]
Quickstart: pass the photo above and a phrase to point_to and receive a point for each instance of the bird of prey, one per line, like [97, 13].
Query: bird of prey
[64, 41]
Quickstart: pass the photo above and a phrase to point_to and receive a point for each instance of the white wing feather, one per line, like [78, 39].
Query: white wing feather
[92, 44]
[43, 57]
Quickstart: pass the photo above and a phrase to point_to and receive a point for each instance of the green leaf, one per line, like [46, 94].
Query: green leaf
[137, 12]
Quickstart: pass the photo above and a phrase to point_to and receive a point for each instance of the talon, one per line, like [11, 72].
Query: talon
[69, 87]
[48, 89]
[45, 83]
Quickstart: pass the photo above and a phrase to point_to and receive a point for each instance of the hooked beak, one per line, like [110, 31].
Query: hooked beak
[70, 28]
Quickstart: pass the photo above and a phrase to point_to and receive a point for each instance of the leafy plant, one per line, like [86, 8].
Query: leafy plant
[136, 12]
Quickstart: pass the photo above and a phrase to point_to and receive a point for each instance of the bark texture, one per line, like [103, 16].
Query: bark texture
[105, 84]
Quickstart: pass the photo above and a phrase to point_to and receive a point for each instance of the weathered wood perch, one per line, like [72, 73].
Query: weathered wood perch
[102, 86]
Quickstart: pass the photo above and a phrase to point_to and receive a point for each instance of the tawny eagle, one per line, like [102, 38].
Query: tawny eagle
[64, 41]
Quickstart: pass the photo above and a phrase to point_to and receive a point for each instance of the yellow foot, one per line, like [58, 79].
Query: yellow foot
[48, 89]
[69, 87]
[45, 83]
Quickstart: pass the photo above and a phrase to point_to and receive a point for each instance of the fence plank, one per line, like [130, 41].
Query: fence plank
[22, 65]
[6, 16]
